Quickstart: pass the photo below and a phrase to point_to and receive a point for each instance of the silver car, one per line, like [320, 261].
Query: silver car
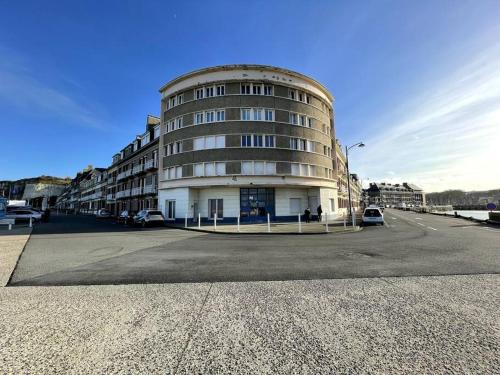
[24, 215]
[149, 217]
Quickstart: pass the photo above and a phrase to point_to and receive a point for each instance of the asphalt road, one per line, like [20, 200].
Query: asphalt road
[80, 251]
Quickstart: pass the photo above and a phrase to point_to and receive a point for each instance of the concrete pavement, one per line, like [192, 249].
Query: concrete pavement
[103, 253]
[408, 325]
[12, 243]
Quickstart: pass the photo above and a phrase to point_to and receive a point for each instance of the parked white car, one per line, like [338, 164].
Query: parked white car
[24, 215]
[373, 215]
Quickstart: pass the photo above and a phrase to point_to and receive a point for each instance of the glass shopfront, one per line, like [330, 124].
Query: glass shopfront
[256, 203]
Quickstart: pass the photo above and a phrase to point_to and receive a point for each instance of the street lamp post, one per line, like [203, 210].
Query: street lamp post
[359, 144]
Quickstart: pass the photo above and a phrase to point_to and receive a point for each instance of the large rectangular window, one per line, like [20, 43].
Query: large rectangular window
[220, 90]
[245, 114]
[199, 93]
[209, 116]
[198, 118]
[220, 115]
[257, 141]
[269, 115]
[269, 140]
[246, 140]
[268, 90]
[170, 209]
[294, 118]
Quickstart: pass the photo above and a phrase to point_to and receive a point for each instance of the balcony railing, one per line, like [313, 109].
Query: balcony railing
[111, 180]
[151, 163]
[138, 168]
[149, 189]
[137, 191]
[110, 197]
[124, 174]
[123, 193]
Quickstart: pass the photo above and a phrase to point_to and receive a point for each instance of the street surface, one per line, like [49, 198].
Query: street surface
[78, 250]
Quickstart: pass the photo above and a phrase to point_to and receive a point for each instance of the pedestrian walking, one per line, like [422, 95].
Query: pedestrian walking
[307, 215]
[320, 212]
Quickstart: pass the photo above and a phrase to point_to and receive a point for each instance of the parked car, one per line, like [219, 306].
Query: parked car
[125, 217]
[149, 217]
[373, 215]
[24, 215]
[103, 214]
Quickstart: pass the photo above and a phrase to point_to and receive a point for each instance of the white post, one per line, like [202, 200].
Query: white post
[31, 223]
[199, 220]
[268, 224]
[238, 223]
[353, 218]
[300, 225]
[345, 224]
[186, 221]
[326, 222]
[215, 221]
[10, 226]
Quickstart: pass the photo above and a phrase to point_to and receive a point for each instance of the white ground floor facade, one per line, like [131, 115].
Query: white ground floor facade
[251, 199]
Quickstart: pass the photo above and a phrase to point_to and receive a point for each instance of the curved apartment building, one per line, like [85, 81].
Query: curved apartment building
[246, 140]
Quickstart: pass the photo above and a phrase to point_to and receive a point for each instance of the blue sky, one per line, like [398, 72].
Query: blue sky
[417, 81]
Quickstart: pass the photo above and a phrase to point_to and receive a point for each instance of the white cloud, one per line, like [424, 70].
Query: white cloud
[448, 137]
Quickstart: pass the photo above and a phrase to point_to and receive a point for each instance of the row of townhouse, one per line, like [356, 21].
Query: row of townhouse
[343, 186]
[130, 183]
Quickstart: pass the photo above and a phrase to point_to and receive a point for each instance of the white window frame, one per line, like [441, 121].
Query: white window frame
[268, 114]
[268, 90]
[220, 115]
[199, 93]
[220, 90]
[196, 115]
[293, 118]
[246, 110]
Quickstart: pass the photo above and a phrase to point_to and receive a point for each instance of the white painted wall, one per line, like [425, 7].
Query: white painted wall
[231, 198]
[181, 197]
[282, 200]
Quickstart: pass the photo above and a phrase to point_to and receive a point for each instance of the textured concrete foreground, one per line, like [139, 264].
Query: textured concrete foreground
[11, 246]
[419, 325]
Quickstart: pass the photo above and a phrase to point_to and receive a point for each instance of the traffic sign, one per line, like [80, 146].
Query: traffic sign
[491, 206]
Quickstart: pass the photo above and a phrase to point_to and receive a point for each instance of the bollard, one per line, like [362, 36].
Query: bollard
[31, 223]
[238, 223]
[345, 226]
[186, 221]
[268, 224]
[215, 222]
[300, 224]
[199, 220]
[10, 226]
[326, 222]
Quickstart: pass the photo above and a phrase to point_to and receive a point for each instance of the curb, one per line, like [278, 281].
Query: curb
[358, 229]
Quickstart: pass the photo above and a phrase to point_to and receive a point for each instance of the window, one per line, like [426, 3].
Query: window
[310, 122]
[209, 169]
[270, 168]
[178, 122]
[220, 90]
[258, 167]
[269, 115]
[292, 94]
[302, 144]
[210, 142]
[293, 118]
[245, 89]
[304, 170]
[178, 172]
[180, 99]
[294, 143]
[199, 93]
[198, 170]
[198, 118]
[209, 92]
[302, 121]
[170, 208]
[246, 167]
[199, 143]
[178, 147]
[257, 114]
[269, 140]
[220, 115]
[256, 89]
[220, 141]
[295, 169]
[268, 90]
[325, 150]
[246, 141]
[301, 97]
[257, 141]
[308, 99]
[245, 114]
[171, 102]
[216, 206]
[220, 169]
[209, 116]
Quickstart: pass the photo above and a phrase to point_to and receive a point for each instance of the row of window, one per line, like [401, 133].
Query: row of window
[248, 168]
[302, 120]
[247, 140]
[214, 115]
[245, 89]
[175, 123]
[258, 140]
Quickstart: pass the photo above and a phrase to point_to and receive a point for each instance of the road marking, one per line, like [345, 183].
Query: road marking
[421, 224]
[432, 228]
[418, 218]
[393, 218]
